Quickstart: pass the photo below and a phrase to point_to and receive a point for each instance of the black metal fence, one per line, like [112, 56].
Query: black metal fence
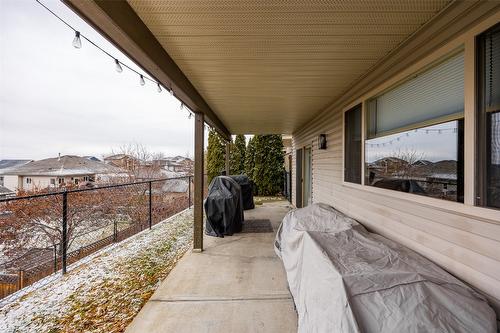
[42, 234]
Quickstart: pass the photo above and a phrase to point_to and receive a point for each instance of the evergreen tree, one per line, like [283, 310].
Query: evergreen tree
[237, 159]
[249, 158]
[215, 155]
[268, 164]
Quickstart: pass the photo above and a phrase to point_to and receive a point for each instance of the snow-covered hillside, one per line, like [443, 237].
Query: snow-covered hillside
[103, 292]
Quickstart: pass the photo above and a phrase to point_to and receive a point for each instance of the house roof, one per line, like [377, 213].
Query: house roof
[63, 166]
[4, 164]
[118, 157]
[4, 190]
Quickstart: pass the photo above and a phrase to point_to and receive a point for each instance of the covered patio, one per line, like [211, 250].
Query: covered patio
[237, 284]
[320, 70]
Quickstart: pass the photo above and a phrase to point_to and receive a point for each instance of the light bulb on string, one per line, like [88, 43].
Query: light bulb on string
[171, 91]
[182, 106]
[118, 67]
[190, 115]
[141, 80]
[159, 87]
[77, 42]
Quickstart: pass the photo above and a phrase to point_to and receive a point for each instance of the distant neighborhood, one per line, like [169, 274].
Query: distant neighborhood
[85, 171]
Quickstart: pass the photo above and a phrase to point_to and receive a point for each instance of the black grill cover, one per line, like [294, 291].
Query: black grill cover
[246, 190]
[223, 207]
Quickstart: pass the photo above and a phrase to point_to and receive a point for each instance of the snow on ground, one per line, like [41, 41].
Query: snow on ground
[103, 292]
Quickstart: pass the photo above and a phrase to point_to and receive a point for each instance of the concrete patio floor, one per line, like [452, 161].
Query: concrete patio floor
[237, 284]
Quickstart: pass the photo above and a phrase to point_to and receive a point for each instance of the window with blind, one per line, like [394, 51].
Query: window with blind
[488, 119]
[415, 133]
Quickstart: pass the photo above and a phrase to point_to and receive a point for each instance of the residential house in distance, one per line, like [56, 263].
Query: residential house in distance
[180, 164]
[123, 161]
[175, 164]
[57, 172]
[6, 164]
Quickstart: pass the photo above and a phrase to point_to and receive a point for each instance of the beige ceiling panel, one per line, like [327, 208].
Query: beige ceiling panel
[267, 66]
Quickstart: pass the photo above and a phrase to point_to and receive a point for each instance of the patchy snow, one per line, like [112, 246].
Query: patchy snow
[125, 272]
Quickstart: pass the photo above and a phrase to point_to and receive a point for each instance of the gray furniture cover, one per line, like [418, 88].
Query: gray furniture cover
[223, 207]
[346, 279]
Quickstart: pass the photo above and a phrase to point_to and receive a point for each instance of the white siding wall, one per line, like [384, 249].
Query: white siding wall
[468, 246]
[39, 182]
[11, 182]
[463, 239]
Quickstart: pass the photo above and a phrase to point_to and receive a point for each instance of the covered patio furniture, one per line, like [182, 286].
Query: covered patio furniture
[346, 279]
[223, 207]
[246, 190]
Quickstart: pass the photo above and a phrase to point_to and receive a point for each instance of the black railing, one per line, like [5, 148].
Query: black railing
[287, 185]
[43, 233]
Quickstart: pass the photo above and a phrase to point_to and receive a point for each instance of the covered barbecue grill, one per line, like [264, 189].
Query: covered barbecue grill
[246, 190]
[223, 207]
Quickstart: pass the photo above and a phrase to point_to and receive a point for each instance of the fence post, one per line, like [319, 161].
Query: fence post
[150, 206]
[115, 231]
[55, 258]
[189, 191]
[65, 232]
[20, 280]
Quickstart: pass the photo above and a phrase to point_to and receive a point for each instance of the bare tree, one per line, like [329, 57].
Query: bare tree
[401, 163]
[139, 161]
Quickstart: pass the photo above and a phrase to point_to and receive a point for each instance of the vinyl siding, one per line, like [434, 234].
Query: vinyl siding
[463, 239]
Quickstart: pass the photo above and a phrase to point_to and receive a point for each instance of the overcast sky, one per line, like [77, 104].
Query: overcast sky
[58, 99]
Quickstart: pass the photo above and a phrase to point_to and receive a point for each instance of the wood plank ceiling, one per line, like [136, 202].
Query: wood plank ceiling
[267, 66]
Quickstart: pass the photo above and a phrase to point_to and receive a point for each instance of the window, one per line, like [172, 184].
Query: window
[488, 119]
[60, 181]
[352, 156]
[415, 134]
[52, 181]
[1, 180]
[28, 180]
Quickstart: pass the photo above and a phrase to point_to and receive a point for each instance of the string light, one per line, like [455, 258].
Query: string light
[77, 42]
[182, 106]
[190, 115]
[118, 67]
[407, 134]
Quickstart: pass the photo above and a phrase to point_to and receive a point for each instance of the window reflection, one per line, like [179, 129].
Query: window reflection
[493, 164]
[426, 161]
